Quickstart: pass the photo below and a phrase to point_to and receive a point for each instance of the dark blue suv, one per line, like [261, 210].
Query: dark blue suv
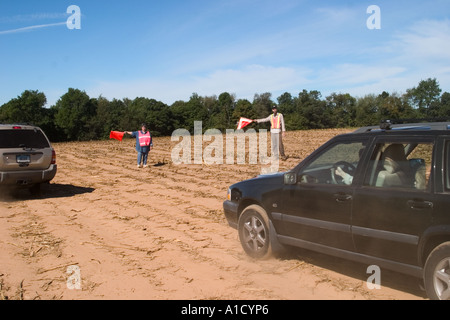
[379, 195]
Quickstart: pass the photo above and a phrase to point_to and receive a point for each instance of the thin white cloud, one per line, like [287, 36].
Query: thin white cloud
[244, 82]
[32, 17]
[249, 80]
[31, 28]
[336, 16]
[416, 53]
[427, 40]
[411, 55]
[357, 74]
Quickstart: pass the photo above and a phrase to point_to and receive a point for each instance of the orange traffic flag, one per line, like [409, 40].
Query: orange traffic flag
[243, 122]
[116, 135]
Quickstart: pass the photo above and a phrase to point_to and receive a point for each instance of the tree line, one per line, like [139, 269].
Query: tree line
[78, 117]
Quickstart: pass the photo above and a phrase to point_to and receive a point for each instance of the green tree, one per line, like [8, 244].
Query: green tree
[125, 121]
[393, 107]
[367, 111]
[444, 106]
[221, 117]
[73, 115]
[440, 109]
[424, 96]
[180, 114]
[243, 109]
[159, 118]
[262, 104]
[312, 110]
[286, 103]
[26, 108]
[113, 115]
[341, 109]
[29, 107]
[134, 113]
[107, 118]
[186, 113]
[296, 121]
[211, 105]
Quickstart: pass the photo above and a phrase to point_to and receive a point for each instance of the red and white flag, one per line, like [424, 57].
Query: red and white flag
[116, 135]
[243, 122]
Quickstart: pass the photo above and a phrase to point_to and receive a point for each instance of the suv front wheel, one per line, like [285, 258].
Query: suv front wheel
[437, 273]
[254, 233]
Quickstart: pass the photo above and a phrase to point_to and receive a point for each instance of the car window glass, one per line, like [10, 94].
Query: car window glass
[401, 165]
[336, 165]
[10, 139]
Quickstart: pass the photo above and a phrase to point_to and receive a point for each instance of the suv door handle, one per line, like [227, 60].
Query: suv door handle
[419, 204]
[342, 197]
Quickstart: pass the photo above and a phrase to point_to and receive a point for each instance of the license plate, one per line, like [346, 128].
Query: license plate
[23, 159]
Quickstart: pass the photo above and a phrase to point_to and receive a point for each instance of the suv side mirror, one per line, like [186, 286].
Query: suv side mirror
[290, 178]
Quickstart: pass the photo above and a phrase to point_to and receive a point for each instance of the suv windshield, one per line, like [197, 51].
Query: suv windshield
[33, 139]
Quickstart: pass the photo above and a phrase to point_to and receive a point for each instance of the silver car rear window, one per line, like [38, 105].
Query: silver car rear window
[20, 138]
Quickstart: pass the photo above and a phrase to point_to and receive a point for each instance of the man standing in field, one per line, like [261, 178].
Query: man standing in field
[144, 144]
[278, 132]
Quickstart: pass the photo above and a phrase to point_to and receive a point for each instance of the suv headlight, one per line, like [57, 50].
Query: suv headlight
[229, 194]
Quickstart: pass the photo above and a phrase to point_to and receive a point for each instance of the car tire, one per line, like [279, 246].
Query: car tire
[437, 273]
[254, 232]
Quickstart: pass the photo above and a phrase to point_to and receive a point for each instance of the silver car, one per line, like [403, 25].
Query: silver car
[27, 158]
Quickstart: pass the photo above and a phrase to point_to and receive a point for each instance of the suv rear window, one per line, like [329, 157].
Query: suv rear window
[10, 139]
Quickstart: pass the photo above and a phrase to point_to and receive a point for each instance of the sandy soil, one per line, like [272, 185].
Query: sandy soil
[159, 233]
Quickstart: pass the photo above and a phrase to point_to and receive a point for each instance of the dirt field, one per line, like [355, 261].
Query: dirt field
[159, 233]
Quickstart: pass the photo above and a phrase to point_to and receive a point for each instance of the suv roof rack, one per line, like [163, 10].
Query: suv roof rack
[408, 124]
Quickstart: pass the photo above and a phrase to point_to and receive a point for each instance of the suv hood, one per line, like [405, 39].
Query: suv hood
[268, 178]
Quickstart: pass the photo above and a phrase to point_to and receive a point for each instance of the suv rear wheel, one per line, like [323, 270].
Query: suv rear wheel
[437, 273]
[254, 233]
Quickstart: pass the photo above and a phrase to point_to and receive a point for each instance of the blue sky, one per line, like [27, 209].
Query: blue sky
[169, 49]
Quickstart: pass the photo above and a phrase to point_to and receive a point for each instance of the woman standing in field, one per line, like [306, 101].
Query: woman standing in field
[144, 143]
